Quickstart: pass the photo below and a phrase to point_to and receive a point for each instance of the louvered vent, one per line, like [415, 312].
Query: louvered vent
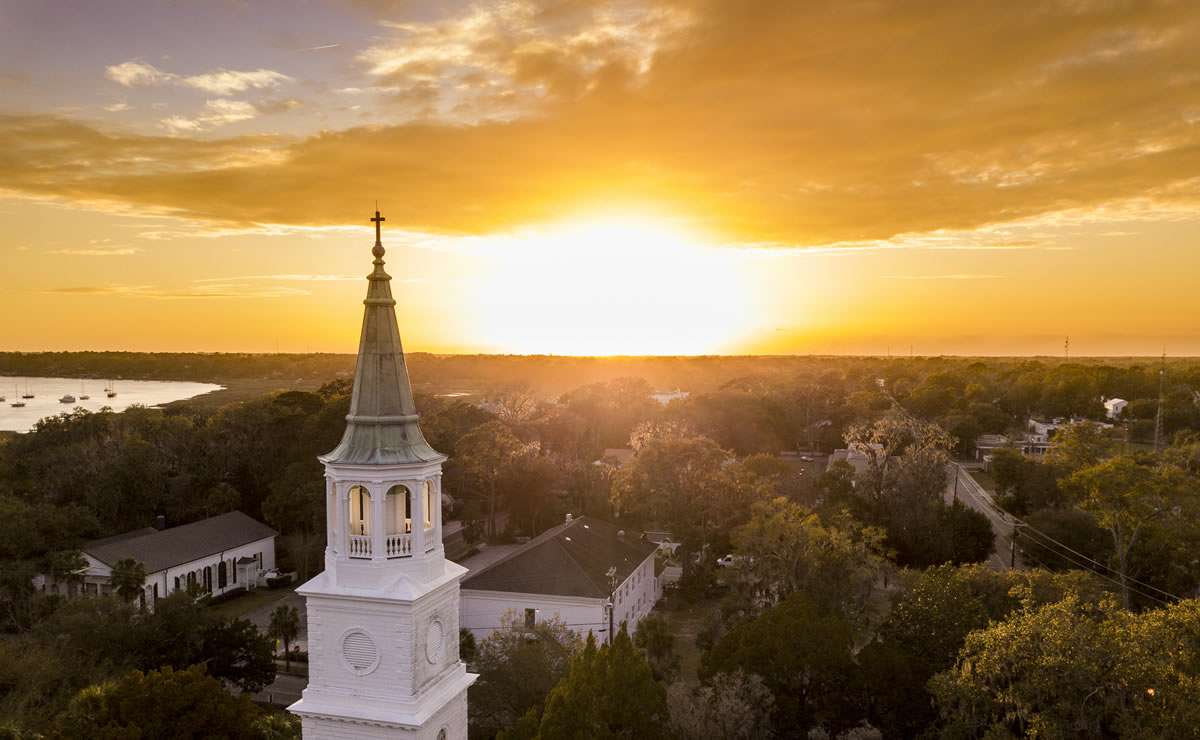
[359, 651]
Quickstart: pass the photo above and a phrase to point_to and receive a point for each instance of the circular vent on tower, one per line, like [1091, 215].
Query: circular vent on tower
[359, 652]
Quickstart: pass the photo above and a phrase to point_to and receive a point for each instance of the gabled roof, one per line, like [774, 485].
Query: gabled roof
[381, 428]
[123, 536]
[158, 550]
[572, 559]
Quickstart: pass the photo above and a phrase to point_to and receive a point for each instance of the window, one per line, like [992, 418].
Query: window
[530, 618]
[233, 568]
[176, 583]
[222, 575]
[428, 504]
[359, 503]
[156, 593]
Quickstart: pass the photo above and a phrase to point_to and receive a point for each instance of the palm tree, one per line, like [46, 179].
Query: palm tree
[128, 578]
[285, 625]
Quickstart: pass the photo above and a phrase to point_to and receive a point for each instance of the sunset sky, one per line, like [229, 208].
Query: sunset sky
[578, 177]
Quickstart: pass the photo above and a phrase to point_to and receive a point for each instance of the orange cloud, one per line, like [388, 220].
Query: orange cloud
[783, 122]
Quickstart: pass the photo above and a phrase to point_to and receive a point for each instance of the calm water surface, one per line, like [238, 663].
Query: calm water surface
[47, 391]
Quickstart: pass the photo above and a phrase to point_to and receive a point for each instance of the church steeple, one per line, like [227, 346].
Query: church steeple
[381, 428]
[383, 616]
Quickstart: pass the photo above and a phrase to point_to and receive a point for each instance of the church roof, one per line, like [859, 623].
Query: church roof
[381, 428]
[158, 550]
[572, 559]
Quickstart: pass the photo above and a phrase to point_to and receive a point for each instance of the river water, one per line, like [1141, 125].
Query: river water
[48, 391]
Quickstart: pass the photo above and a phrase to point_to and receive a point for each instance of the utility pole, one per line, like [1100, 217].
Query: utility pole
[1067, 349]
[1012, 545]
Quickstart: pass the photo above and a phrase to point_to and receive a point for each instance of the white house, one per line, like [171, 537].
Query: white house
[587, 573]
[1114, 407]
[217, 554]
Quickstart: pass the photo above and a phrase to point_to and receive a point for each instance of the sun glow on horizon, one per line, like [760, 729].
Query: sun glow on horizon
[612, 284]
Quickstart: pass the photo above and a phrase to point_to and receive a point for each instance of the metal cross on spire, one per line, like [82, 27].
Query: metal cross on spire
[378, 220]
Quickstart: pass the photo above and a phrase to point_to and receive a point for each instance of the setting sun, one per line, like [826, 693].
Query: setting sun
[614, 284]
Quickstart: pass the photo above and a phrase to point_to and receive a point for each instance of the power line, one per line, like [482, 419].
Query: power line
[1027, 525]
[986, 502]
[1102, 565]
[1093, 571]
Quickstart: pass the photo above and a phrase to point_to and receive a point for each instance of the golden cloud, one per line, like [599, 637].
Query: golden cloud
[784, 122]
[218, 82]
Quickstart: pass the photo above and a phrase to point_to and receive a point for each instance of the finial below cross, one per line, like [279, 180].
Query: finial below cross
[378, 220]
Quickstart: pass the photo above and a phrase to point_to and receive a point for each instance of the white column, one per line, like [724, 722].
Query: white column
[378, 538]
[341, 522]
[331, 533]
[437, 510]
[417, 492]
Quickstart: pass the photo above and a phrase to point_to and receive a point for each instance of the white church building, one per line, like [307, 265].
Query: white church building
[216, 555]
[383, 617]
[586, 573]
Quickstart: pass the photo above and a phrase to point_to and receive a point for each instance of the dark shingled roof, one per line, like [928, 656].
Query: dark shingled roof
[569, 560]
[157, 550]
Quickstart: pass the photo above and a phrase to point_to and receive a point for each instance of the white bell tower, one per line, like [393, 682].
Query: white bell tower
[383, 616]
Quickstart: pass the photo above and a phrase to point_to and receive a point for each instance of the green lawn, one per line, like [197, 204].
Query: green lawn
[685, 624]
[250, 601]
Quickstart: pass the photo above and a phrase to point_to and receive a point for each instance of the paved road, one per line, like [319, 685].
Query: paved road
[960, 483]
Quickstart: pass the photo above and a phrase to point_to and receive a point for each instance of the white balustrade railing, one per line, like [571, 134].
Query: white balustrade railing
[360, 546]
[399, 545]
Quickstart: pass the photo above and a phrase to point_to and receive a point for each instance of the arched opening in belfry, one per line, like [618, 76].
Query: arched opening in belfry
[358, 520]
[399, 521]
[360, 511]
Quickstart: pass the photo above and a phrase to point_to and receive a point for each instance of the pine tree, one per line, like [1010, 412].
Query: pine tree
[610, 692]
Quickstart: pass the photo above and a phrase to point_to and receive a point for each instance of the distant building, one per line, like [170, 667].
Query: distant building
[855, 458]
[572, 572]
[217, 554]
[1114, 407]
[1035, 441]
[665, 397]
[618, 457]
